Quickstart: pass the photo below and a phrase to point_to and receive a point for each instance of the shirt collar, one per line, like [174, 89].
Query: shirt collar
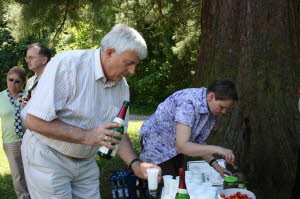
[203, 103]
[204, 106]
[99, 74]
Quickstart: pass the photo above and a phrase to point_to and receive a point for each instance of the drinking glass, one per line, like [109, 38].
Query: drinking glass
[152, 181]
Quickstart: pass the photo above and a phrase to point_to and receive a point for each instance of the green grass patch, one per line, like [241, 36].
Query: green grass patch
[107, 167]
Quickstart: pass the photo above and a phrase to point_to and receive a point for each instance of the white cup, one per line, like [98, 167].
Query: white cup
[173, 188]
[188, 173]
[152, 178]
[167, 183]
[166, 177]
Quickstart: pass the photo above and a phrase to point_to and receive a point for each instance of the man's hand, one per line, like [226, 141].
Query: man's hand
[139, 169]
[102, 135]
[24, 101]
[220, 170]
[227, 154]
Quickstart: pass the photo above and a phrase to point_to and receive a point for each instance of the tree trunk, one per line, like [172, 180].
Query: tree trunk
[256, 43]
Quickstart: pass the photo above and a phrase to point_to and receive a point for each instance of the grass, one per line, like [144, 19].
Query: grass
[107, 167]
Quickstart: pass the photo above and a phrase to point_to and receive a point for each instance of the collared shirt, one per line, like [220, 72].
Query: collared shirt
[7, 116]
[73, 89]
[31, 81]
[188, 107]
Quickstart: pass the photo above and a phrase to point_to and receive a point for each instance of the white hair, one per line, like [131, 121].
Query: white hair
[122, 38]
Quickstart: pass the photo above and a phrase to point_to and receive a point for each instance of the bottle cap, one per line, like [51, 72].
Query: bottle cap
[230, 179]
[126, 103]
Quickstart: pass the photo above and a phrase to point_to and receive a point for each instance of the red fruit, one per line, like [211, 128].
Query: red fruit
[222, 195]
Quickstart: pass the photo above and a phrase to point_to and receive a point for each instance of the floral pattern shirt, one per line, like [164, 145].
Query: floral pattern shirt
[188, 107]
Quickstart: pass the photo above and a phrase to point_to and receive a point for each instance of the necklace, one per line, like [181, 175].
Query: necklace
[18, 120]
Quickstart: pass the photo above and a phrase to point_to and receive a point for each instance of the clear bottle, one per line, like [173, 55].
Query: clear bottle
[182, 192]
[106, 152]
[114, 191]
[125, 189]
[121, 194]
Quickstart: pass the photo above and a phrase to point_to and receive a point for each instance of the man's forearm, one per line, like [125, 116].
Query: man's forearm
[55, 129]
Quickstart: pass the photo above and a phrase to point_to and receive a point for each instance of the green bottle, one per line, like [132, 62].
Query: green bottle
[106, 152]
[182, 192]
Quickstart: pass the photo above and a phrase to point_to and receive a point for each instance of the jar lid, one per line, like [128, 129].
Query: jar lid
[230, 179]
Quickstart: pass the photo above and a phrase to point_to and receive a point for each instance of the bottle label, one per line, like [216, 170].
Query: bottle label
[104, 149]
[241, 186]
[119, 121]
[183, 191]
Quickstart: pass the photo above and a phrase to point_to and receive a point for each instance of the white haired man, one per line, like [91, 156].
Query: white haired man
[68, 117]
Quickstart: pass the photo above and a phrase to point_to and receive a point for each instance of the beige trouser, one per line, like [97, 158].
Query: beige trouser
[52, 175]
[13, 154]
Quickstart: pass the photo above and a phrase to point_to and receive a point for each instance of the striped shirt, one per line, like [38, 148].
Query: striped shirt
[73, 89]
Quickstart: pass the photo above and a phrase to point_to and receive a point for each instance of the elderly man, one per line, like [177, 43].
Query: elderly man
[37, 57]
[68, 117]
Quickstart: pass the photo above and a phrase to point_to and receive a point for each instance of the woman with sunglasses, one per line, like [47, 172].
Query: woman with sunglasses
[12, 127]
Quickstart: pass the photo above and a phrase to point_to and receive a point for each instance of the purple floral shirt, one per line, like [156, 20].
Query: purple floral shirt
[187, 107]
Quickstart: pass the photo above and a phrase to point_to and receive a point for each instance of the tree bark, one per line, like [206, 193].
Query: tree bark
[256, 43]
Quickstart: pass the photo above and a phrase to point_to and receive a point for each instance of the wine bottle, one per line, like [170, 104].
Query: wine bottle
[106, 152]
[182, 192]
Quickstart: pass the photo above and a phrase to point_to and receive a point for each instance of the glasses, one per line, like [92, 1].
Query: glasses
[31, 58]
[14, 80]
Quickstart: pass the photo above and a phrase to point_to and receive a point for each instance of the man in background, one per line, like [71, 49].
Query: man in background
[37, 57]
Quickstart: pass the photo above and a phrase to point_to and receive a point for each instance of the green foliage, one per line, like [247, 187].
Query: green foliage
[172, 40]
[9, 53]
[170, 28]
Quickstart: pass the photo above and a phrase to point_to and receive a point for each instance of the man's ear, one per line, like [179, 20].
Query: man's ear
[109, 52]
[45, 60]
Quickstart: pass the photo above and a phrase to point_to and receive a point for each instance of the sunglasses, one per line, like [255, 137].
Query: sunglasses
[14, 80]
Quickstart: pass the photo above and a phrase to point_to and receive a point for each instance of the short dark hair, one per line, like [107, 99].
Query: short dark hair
[44, 50]
[224, 89]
